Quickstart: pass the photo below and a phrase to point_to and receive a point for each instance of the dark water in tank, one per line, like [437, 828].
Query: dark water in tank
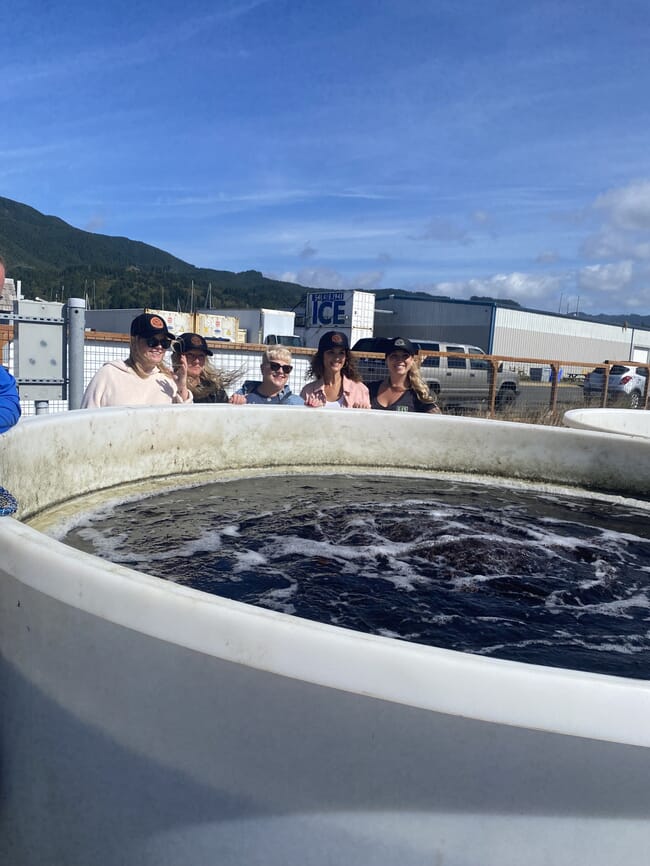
[515, 573]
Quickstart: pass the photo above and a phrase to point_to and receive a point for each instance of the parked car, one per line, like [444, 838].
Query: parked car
[626, 386]
[457, 382]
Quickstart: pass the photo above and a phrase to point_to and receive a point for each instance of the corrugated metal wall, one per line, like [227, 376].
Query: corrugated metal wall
[450, 321]
[539, 335]
[516, 333]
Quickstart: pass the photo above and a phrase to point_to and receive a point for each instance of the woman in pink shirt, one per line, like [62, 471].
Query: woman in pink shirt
[338, 384]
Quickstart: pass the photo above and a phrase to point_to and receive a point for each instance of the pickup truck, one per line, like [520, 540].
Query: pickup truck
[457, 382]
[284, 340]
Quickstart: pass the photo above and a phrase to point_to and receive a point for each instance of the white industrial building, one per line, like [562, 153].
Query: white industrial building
[510, 332]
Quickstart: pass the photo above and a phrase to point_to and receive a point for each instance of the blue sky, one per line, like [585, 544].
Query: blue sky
[460, 148]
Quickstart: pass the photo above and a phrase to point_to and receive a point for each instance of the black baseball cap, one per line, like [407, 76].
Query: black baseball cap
[192, 343]
[333, 340]
[150, 325]
[402, 344]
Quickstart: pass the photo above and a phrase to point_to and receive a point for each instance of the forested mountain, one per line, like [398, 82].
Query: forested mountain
[55, 261]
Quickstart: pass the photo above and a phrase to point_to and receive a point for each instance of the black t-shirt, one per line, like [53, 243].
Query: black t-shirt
[408, 402]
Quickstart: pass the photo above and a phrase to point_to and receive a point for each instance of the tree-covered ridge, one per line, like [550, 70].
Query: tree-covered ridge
[55, 261]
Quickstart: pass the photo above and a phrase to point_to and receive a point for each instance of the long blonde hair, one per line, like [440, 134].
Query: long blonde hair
[416, 383]
[210, 381]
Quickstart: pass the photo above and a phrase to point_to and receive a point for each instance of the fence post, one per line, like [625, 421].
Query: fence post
[76, 315]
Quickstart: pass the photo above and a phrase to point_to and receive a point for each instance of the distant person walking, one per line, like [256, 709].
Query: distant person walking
[338, 384]
[142, 379]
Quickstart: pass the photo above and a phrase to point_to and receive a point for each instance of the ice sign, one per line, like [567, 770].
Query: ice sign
[328, 309]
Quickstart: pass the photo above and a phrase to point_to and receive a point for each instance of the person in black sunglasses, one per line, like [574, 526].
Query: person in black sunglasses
[273, 390]
[143, 379]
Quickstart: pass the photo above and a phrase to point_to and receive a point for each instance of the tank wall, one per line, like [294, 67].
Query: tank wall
[630, 421]
[119, 748]
[111, 447]
[144, 722]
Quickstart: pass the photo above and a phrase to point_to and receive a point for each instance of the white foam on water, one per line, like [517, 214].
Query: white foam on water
[498, 568]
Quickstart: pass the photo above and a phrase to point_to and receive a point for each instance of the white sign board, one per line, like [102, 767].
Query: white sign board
[351, 312]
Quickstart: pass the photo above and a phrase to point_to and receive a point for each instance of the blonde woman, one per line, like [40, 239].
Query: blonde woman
[142, 379]
[274, 389]
[403, 389]
[207, 384]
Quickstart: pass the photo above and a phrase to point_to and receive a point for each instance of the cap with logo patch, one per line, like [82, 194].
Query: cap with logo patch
[150, 325]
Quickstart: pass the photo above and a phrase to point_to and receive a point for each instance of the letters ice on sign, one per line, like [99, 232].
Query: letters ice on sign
[328, 309]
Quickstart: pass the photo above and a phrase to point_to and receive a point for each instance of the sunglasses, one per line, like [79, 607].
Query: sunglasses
[276, 368]
[154, 342]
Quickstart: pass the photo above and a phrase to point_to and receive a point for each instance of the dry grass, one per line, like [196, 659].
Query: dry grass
[522, 414]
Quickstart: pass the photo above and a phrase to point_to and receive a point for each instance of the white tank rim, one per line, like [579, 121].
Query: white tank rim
[512, 693]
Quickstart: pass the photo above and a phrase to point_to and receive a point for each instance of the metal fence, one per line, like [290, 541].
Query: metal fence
[467, 384]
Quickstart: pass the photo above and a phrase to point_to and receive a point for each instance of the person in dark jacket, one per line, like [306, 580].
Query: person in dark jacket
[9, 401]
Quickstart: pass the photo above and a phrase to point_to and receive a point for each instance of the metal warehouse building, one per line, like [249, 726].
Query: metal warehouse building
[502, 330]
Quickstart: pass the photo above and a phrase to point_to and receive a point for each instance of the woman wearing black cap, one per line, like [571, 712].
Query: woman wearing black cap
[142, 379]
[206, 384]
[338, 384]
[403, 389]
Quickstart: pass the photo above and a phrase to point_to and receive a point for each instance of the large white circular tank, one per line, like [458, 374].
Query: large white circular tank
[150, 724]
[633, 422]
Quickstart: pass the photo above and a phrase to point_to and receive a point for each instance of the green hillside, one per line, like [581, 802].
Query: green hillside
[55, 261]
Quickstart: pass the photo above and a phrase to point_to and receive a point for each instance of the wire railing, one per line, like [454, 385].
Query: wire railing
[536, 390]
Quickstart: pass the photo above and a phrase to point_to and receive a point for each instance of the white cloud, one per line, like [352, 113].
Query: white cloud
[612, 244]
[369, 280]
[625, 229]
[328, 278]
[607, 279]
[523, 288]
[627, 208]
